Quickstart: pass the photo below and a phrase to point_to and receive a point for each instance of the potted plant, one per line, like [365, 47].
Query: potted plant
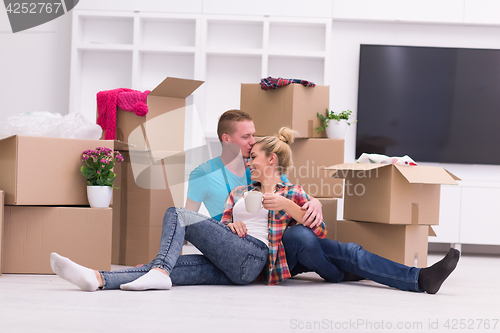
[97, 168]
[335, 124]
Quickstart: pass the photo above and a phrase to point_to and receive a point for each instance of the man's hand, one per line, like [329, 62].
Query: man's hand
[238, 227]
[314, 213]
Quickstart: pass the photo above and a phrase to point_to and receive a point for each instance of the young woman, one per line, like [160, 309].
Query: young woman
[234, 251]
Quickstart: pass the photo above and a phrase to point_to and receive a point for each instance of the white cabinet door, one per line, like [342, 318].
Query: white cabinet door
[285, 8]
[166, 6]
[443, 11]
[482, 11]
[480, 218]
[448, 230]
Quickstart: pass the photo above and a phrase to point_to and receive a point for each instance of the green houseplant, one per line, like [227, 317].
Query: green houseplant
[334, 124]
[97, 168]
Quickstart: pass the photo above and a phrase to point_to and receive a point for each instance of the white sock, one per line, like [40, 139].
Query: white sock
[82, 277]
[153, 279]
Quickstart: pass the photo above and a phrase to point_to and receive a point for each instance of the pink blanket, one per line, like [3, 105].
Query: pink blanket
[125, 99]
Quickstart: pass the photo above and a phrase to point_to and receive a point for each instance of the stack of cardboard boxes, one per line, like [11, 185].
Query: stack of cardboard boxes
[389, 209]
[46, 207]
[151, 179]
[296, 107]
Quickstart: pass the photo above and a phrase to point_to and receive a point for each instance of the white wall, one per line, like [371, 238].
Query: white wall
[34, 67]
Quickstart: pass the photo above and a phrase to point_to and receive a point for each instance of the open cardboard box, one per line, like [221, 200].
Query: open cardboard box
[310, 157]
[168, 96]
[31, 233]
[293, 106]
[405, 244]
[44, 171]
[393, 194]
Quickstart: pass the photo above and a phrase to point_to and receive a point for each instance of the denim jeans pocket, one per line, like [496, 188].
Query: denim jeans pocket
[251, 268]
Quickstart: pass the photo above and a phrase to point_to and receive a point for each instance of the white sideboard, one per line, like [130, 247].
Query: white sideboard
[469, 214]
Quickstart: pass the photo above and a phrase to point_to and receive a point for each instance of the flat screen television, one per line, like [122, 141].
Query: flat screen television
[434, 104]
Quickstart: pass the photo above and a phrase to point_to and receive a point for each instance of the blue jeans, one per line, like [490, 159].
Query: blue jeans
[226, 259]
[330, 259]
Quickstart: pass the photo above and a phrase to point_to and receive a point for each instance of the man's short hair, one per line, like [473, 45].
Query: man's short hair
[227, 122]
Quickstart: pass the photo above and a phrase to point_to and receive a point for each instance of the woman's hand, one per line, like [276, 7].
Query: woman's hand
[272, 201]
[314, 213]
[238, 227]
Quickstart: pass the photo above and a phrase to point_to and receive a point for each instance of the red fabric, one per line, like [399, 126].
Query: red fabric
[125, 99]
[274, 83]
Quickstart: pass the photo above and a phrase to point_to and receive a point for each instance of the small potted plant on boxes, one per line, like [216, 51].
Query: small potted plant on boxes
[97, 168]
[335, 124]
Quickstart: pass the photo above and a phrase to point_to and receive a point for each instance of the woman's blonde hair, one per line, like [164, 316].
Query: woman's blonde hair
[279, 145]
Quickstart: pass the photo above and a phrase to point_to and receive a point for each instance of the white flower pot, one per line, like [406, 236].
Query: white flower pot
[336, 129]
[99, 196]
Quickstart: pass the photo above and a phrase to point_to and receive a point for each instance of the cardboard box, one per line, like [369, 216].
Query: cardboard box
[31, 233]
[117, 230]
[329, 208]
[310, 158]
[405, 244]
[139, 207]
[392, 194]
[293, 106]
[1, 226]
[44, 171]
[169, 95]
[152, 177]
[329, 215]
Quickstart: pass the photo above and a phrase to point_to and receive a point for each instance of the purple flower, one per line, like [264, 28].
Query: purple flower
[98, 159]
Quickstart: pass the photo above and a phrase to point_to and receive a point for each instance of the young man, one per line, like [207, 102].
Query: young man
[212, 181]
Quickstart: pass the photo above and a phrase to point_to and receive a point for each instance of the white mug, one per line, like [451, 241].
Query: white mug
[253, 201]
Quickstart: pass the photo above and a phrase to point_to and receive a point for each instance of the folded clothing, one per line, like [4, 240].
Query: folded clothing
[383, 159]
[273, 83]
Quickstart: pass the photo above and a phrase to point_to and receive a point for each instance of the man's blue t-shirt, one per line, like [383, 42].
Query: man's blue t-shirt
[207, 184]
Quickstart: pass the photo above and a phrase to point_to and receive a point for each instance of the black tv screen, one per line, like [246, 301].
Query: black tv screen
[434, 104]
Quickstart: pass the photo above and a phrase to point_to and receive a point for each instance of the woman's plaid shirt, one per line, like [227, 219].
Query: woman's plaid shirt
[278, 222]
